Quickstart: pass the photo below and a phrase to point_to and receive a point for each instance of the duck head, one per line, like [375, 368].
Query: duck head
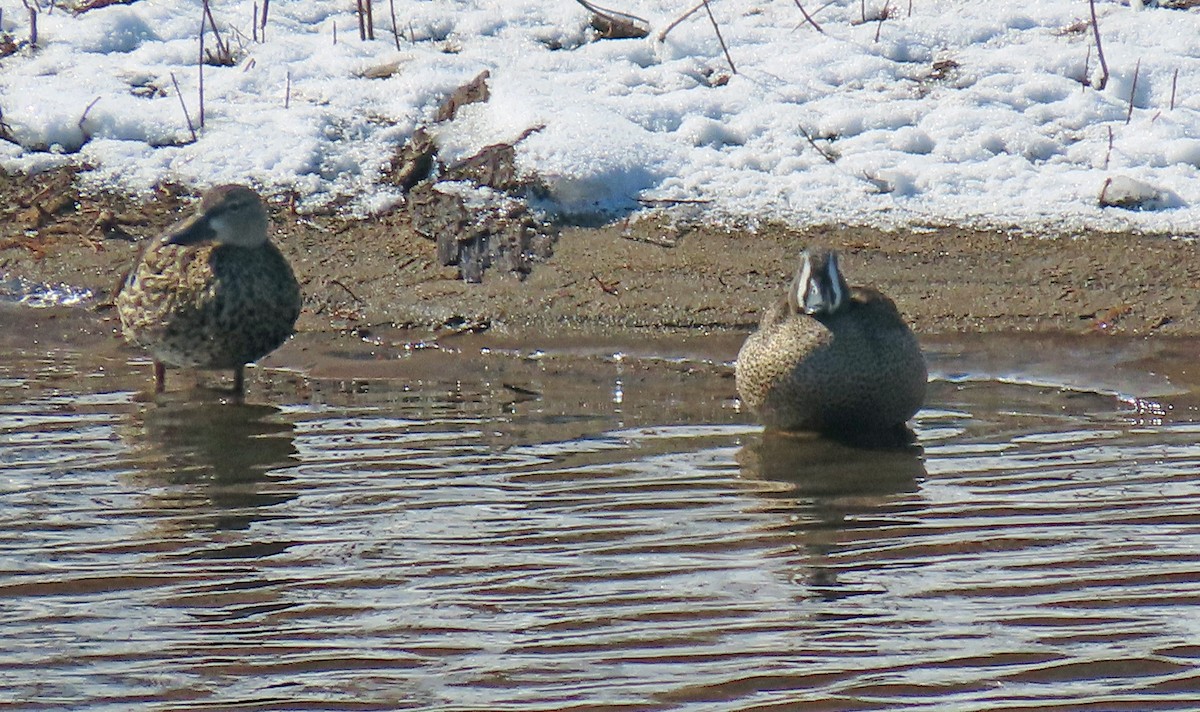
[229, 215]
[819, 287]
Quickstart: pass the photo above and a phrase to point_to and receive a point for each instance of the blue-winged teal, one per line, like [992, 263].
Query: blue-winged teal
[831, 358]
[212, 292]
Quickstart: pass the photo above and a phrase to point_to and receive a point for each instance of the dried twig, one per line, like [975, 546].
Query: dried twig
[695, 8]
[1099, 49]
[824, 153]
[1133, 90]
[882, 16]
[200, 70]
[287, 91]
[1108, 154]
[362, 20]
[186, 116]
[86, 136]
[605, 286]
[33, 35]
[370, 20]
[1086, 80]
[811, 21]
[338, 283]
[720, 39]
[223, 51]
[1174, 81]
[395, 32]
[254, 24]
[262, 29]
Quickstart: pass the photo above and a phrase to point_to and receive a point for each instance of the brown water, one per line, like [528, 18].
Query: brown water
[487, 526]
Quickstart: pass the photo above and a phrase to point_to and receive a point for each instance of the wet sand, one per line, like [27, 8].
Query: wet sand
[629, 278]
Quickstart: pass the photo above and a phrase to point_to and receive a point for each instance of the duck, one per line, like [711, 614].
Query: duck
[211, 292]
[831, 358]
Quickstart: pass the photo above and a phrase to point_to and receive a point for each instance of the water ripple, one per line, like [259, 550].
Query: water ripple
[440, 546]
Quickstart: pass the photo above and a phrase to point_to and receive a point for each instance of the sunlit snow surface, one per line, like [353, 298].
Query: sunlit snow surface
[1010, 136]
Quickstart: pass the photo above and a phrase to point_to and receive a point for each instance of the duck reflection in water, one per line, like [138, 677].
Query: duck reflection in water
[222, 455]
[833, 490]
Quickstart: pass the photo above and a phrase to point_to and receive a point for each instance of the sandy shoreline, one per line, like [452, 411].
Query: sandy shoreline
[360, 275]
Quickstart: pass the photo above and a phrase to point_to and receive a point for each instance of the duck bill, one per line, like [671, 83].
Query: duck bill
[191, 231]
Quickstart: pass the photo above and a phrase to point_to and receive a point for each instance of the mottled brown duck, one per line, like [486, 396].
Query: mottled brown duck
[211, 292]
[831, 358]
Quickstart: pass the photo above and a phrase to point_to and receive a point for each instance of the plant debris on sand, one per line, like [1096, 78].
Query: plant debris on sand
[362, 275]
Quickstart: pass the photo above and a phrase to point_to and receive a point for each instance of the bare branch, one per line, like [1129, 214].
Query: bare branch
[200, 71]
[186, 116]
[33, 11]
[1133, 90]
[1099, 49]
[395, 31]
[695, 8]
[811, 21]
[86, 136]
[720, 39]
[824, 152]
[885, 14]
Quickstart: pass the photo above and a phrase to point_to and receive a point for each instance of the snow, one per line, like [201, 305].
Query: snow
[965, 113]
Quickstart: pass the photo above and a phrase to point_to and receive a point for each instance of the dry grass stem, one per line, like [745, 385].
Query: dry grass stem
[33, 35]
[1133, 90]
[1108, 153]
[1174, 82]
[717, 29]
[885, 14]
[287, 91]
[200, 71]
[824, 152]
[186, 116]
[86, 136]
[809, 18]
[395, 31]
[222, 48]
[695, 8]
[1099, 49]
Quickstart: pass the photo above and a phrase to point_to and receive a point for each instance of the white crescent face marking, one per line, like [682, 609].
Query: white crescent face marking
[835, 283]
[220, 225]
[803, 285]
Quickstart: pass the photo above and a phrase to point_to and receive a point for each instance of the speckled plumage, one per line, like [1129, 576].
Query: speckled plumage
[856, 368]
[223, 298]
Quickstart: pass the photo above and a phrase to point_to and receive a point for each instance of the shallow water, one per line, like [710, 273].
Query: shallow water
[472, 524]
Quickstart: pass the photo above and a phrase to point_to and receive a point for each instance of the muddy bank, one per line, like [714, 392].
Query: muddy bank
[364, 275]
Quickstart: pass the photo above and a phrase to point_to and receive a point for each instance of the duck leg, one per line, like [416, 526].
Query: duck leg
[239, 381]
